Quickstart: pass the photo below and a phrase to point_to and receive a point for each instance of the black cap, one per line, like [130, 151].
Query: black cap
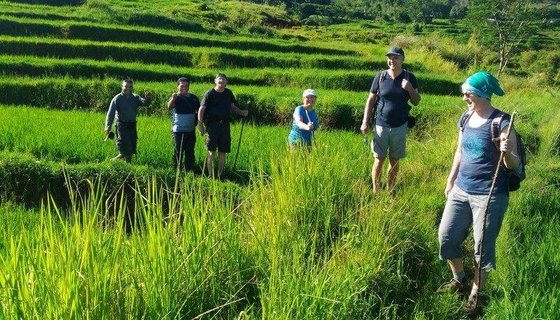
[396, 51]
[221, 75]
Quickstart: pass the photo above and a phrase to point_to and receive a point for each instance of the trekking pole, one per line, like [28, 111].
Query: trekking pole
[309, 121]
[485, 214]
[239, 143]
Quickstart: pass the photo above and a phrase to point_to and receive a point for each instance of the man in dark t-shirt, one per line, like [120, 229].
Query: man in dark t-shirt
[390, 92]
[213, 120]
[184, 106]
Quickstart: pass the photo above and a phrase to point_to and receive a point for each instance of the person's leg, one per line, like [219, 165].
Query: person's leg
[177, 149]
[126, 141]
[379, 147]
[224, 147]
[496, 211]
[376, 173]
[392, 173]
[212, 135]
[397, 147]
[221, 163]
[453, 230]
[189, 143]
[209, 162]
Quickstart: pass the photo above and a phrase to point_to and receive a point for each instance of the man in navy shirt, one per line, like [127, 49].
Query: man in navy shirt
[184, 106]
[391, 90]
[213, 120]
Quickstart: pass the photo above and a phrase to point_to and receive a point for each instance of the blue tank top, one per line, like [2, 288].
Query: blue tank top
[480, 158]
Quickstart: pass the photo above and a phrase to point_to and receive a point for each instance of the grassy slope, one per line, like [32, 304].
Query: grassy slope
[339, 253]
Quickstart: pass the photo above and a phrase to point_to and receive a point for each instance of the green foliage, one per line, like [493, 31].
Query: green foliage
[52, 2]
[27, 180]
[339, 109]
[504, 25]
[113, 33]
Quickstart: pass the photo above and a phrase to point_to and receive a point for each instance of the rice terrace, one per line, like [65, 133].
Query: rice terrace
[284, 233]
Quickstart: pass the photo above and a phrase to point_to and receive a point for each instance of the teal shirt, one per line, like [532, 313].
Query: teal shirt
[299, 135]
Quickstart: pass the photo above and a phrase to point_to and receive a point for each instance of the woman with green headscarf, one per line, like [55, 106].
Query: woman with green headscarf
[469, 183]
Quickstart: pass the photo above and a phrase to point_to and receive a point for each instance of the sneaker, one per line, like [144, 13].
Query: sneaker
[453, 286]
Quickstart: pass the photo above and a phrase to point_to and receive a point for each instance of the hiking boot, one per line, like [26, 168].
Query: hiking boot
[453, 286]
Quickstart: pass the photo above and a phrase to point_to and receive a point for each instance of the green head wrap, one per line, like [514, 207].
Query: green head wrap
[483, 84]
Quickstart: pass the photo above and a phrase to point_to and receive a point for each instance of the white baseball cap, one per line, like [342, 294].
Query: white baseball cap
[309, 92]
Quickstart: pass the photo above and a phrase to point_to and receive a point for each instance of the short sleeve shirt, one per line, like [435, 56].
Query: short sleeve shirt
[184, 113]
[392, 100]
[218, 104]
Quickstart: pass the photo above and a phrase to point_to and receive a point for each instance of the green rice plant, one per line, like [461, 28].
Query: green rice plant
[307, 239]
[181, 263]
[105, 32]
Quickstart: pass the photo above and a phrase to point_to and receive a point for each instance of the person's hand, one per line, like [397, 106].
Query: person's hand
[448, 188]
[364, 128]
[107, 132]
[506, 146]
[147, 95]
[174, 95]
[406, 85]
[310, 126]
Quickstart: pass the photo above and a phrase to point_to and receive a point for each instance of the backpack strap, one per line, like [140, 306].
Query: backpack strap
[465, 119]
[495, 129]
[381, 79]
[406, 74]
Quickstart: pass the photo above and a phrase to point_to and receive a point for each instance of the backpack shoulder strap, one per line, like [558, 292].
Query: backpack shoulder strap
[382, 77]
[495, 129]
[464, 119]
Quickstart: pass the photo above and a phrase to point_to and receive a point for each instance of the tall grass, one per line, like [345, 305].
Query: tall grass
[179, 263]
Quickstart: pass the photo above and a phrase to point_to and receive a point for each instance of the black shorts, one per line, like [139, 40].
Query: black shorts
[218, 136]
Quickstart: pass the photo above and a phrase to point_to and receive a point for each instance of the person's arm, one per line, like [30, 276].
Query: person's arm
[144, 101]
[110, 115]
[454, 168]
[201, 112]
[508, 145]
[412, 92]
[172, 100]
[370, 102]
[240, 112]
[299, 122]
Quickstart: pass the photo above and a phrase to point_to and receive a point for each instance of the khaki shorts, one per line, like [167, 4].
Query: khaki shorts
[389, 139]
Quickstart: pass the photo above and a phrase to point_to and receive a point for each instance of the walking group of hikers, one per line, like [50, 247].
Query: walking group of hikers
[477, 189]
[211, 116]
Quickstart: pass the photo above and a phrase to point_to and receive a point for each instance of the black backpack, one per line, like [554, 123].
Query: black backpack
[514, 176]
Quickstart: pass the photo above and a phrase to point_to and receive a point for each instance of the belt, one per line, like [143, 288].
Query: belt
[219, 121]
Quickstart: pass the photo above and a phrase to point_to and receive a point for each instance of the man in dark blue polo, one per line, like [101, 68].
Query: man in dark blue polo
[125, 107]
[213, 120]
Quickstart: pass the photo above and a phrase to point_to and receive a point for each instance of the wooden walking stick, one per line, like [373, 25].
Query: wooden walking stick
[239, 143]
[485, 214]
